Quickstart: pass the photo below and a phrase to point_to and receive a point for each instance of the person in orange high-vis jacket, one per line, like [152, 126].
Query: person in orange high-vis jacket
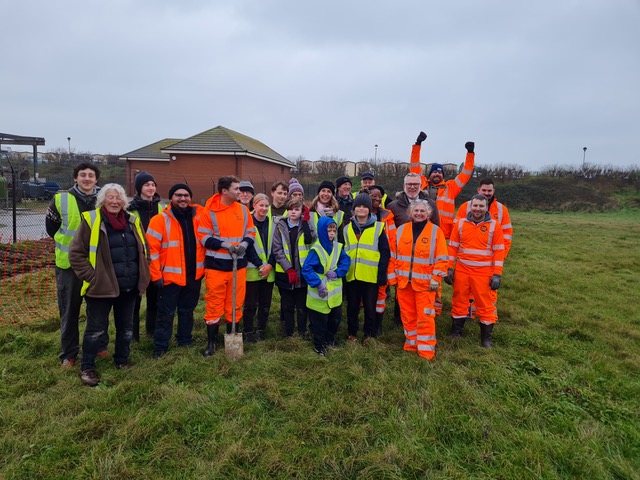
[226, 229]
[497, 210]
[177, 267]
[377, 194]
[476, 255]
[443, 192]
[420, 264]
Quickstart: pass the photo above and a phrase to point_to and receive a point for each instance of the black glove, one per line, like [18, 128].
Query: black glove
[241, 248]
[421, 138]
[448, 278]
[469, 146]
[158, 283]
[494, 283]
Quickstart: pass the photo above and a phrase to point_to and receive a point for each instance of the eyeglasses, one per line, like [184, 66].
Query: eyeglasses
[411, 184]
[181, 195]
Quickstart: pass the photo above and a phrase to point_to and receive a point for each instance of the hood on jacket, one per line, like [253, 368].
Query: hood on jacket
[323, 233]
[360, 228]
[215, 203]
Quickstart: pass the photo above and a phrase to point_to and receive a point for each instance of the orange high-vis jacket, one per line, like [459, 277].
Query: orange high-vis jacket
[477, 249]
[419, 262]
[166, 248]
[224, 223]
[500, 214]
[447, 191]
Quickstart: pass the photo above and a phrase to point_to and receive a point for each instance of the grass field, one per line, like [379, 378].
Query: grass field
[557, 397]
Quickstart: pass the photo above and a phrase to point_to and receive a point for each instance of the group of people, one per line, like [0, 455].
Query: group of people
[341, 245]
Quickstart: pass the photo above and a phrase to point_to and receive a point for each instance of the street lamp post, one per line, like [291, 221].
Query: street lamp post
[375, 154]
[69, 140]
[584, 156]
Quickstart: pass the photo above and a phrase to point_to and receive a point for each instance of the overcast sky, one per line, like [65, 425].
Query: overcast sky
[532, 83]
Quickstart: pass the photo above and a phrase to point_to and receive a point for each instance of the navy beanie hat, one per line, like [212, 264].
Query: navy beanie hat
[141, 179]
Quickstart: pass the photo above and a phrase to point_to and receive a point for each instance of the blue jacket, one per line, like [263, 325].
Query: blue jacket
[312, 265]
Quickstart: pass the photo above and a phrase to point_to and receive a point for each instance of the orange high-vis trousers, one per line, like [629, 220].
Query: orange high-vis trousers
[477, 287]
[419, 320]
[381, 302]
[219, 296]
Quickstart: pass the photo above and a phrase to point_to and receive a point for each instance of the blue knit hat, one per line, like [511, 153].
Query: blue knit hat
[436, 167]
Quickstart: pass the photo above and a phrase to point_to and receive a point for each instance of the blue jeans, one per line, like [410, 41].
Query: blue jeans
[184, 299]
[98, 310]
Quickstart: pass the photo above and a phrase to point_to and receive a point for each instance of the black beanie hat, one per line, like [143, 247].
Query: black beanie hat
[141, 179]
[342, 180]
[327, 184]
[179, 186]
[362, 199]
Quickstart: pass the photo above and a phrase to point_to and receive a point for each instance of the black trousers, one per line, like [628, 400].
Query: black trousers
[292, 302]
[366, 293]
[152, 312]
[98, 310]
[325, 326]
[257, 298]
[173, 297]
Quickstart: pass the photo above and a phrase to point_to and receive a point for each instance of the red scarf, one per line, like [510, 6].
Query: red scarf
[118, 222]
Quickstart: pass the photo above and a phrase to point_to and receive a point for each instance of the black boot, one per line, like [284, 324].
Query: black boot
[379, 317]
[457, 327]
[485, 335]
[212, 337]
[260, 335]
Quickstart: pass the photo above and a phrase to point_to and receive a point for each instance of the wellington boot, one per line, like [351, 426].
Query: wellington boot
[457, 327]
[379, 317]
[485, 335]
[212, 337]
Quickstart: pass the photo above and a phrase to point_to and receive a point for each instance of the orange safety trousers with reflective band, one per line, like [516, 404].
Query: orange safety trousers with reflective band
[476, 286]
[418, 319]
[166, 248]
[219, 296]
[447, 191]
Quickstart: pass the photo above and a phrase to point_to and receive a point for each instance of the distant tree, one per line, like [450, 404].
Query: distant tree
[331, 166]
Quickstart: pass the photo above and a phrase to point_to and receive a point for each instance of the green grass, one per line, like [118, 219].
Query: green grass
[558, 396]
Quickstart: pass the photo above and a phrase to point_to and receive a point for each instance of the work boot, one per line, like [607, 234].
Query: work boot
[485, 335]
[379, 317]
[457, 327]
[230, 326]
[212, 338]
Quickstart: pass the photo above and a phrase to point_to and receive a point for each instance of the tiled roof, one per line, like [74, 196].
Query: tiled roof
[153, 151]
[224, 141]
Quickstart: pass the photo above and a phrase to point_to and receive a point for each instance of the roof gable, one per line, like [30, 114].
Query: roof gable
[221, 140]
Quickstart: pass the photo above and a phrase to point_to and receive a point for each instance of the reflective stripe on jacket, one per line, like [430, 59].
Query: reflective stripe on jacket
[166, 247]
[419, 262]
[478, 248]
[263, 254]
[334, 287]
[500, 213]
[364, 252]
[93, 219]
[447, 191]
[67, 205]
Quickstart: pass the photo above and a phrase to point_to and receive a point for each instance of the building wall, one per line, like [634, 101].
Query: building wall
[201, 173]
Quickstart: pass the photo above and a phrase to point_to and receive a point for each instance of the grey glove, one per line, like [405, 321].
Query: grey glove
[448, 279]
[494, 283]
[229, 247]
[331, 275]
[241, 248]
[433, 285]
[323, 292]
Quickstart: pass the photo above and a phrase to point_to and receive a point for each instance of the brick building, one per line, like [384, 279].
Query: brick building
[200, 160]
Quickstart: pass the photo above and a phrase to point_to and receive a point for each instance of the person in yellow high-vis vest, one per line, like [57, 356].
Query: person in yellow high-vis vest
[109, 254]
[367, 245]
[292, 240]
[62, 220]
[260, 272]
[323, 270]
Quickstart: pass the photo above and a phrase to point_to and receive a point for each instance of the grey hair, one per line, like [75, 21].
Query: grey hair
[419, 201]
[102, 194]
[410, 175]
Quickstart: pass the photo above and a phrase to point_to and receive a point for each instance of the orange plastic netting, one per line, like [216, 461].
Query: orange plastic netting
[27, 281]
